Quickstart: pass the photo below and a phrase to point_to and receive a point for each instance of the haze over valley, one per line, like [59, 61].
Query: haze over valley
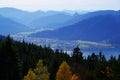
[63, 29]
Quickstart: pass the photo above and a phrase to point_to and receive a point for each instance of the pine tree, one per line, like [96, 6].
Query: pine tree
[9, 61]
[64, 72]
[77, 55]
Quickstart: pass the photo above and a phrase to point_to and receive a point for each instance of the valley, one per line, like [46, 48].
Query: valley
[87, 47]
[66, 45]
[64, 30]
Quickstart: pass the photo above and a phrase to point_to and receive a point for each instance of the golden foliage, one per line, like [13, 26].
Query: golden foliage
[64, 72]
[75, 77]
[30, 76]
[41, 71]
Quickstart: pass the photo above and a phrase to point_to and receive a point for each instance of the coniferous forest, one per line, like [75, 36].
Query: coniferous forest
[26, 61]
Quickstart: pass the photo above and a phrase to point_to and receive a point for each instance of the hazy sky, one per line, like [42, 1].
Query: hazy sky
[62, 4]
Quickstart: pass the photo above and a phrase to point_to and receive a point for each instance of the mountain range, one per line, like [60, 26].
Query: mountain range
[97, 28]
[20, 21]
[37, 19]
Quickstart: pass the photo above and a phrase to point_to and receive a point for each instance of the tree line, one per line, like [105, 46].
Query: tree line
[27, 61]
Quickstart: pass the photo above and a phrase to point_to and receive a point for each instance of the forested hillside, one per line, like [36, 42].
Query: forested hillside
[25, 61]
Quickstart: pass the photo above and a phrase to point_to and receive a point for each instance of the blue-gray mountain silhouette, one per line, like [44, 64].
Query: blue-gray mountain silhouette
[98, 28]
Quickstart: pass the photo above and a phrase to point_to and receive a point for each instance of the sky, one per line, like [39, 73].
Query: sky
[32, 5]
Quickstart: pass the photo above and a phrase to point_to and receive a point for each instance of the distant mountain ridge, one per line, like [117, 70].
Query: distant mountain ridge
[39, 19]
[77, 18]
[12, 12]
[49, 19]
[98, 28]
[8, 26]
[33, 19]
[52, 21]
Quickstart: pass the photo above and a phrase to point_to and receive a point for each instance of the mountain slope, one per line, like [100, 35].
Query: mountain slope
[51, 21]
[8, 26]
[77, 17]
[13, 13]
[98, 28]
[32, 16]
[35, 19]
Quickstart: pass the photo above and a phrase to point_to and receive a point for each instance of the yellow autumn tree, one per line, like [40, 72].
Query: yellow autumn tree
[75, 77]
[30, 76]
[41, 71]
[64, 72]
